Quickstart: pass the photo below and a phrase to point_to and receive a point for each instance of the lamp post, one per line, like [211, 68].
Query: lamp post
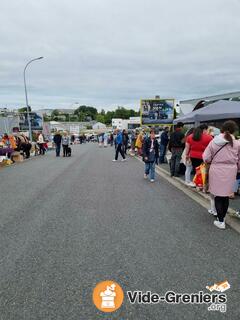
[26, 96]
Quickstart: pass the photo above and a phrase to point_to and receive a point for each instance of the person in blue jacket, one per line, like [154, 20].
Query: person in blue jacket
[119, 146]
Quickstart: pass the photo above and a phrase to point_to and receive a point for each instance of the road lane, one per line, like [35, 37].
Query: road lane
[68, 223]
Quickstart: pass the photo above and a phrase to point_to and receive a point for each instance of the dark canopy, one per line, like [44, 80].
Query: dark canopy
[220, 110]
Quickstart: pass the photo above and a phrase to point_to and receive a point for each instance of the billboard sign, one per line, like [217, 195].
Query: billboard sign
[35, 118]
[157, 111]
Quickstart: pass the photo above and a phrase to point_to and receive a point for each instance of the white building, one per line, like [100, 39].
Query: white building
[119, 124]
[99, 125]
[134, 122]
[131, 123]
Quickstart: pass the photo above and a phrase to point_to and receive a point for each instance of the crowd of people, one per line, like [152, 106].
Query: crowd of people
[218, 152]
[12, 143]
[19, 143]
[204, 151]
[188, 151]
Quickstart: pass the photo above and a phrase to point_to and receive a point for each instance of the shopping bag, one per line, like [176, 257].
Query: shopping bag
[198, 178]
[204, 168]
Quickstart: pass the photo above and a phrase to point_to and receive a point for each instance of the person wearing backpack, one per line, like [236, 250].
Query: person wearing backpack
[223, 155]
[150, 153]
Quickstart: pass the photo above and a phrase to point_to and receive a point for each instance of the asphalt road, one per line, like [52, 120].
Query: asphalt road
[68, 223]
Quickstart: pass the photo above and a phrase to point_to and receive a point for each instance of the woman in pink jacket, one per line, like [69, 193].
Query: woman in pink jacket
[223, 153]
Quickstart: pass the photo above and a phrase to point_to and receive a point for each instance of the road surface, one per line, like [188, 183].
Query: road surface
[68, 223]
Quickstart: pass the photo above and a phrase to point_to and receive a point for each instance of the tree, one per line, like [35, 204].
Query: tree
[24, 109]
[108, 117]
[54, 115]
[100, 118]
[90, 112]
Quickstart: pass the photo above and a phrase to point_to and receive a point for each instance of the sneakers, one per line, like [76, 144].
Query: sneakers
[191, 184]
[114, 160]
[152, 180]
[220, 225]
[145, 176]
[124, 160]
[212, 212]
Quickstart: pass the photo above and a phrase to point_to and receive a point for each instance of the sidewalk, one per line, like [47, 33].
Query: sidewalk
[202, 198]
[234, 204]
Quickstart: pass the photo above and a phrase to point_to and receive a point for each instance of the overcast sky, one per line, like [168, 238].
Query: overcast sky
[113, 52]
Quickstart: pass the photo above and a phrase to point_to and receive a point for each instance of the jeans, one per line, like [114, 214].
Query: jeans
[163, 150]
[58, 148]
[188, 173]
[26, 147]
[41, 148]
[175, 160]
[150, 168]
[119, 149]
[125, 147]
[65, 147]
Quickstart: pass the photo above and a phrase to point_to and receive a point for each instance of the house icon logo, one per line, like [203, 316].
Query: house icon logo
[108, 296]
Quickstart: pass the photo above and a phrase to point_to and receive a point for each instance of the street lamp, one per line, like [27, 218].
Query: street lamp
[28, 116]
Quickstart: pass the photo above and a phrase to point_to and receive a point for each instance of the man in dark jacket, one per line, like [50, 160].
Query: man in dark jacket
[176, 146]
[125, 141]
[57, 139]
[150, 152]
[163, 144]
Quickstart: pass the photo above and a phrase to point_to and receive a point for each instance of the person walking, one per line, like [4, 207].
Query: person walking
[40, 142]
[125, 141]
[176, 146]
[100, 140]
[139, 143]
[188, 163]
[105, 139]
[111, 138]
[57, 139]
[196, 143]
[65, 143]
[150, 151]
[72, 139]
[164, 139]
[119, 146]
[223, 155]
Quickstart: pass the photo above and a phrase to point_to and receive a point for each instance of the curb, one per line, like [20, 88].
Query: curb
[203, 199]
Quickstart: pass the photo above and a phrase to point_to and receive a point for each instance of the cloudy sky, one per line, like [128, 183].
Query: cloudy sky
[113, 52]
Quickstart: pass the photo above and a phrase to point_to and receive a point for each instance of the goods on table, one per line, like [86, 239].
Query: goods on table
[17, 157]
[7, 162]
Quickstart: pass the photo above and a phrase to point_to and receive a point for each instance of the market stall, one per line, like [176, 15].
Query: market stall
[220, 110]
